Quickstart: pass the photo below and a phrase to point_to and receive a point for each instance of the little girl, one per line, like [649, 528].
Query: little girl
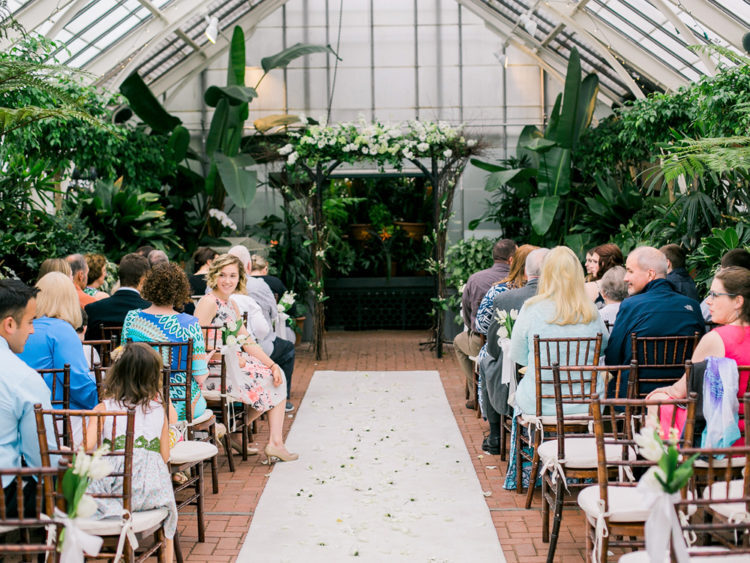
[135, 380]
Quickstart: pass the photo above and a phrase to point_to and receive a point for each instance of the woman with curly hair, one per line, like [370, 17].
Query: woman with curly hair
[168, 289]
[603, 257]
[97, 264]
[263, 384]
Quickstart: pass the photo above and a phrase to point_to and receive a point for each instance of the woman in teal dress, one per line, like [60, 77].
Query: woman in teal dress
[167, 288]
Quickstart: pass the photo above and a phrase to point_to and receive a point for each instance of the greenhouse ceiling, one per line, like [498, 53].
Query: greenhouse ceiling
[635, 46]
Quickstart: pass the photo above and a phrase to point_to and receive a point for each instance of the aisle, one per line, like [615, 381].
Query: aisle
[383, 473]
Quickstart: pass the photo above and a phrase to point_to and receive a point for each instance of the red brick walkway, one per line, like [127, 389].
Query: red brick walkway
[229, 513]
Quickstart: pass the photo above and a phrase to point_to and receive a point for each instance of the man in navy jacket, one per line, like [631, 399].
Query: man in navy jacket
[654, 308]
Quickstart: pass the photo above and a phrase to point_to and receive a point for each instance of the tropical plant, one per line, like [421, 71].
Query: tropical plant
[548, 178]
[707, 257]
[463, 259]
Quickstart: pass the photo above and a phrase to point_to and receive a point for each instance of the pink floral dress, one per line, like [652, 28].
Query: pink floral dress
[257, 389]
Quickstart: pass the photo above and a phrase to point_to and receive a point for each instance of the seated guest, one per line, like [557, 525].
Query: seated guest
[283, 350]
[259, 269]
[676, 272]
[97, 264]
[144, 250]
[515, 279]
[736, 257]
[167, 288]
[91, 353]
[603, 257]
[468, 343]
[80, 271]
[560, 309]
[614, 290]
[54, 265]
[111, 311]
[156, 257]
[654, 308]
[55, 343]
[21, 388]
[729, 302]
[490, 357]
[202, 259]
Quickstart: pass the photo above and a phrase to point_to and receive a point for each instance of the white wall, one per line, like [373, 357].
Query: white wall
[395, 66]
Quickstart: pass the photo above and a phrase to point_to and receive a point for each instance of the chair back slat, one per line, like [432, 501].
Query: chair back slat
[58, 380]
[665, 354]
[113, 333]
[574, 351]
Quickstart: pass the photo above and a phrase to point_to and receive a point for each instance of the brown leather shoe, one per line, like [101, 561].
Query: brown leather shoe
[471, 405]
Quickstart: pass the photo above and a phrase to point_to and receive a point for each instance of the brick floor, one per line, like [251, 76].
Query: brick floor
[229, 512]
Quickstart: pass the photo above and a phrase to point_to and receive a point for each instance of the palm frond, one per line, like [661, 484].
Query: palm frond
[17, 118]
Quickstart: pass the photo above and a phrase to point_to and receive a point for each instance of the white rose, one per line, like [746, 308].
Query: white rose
[514, 314]
[86, 507]
[648, 445]
[423, 147]
[471, 142]
[231, 326]
[447, 153]
[231, 340]
[502, 333]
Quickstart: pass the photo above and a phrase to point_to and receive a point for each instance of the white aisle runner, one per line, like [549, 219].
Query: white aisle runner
[383, 475]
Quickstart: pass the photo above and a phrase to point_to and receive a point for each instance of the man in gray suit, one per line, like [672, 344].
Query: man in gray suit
[495, 394]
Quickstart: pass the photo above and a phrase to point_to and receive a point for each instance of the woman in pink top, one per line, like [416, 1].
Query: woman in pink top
[729, 302]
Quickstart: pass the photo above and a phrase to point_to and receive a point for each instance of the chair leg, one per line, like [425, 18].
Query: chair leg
[534, 471]
[177, 549]
[199, 504]
[245, 442]
[228, 450]
[589, 542]
[519, 461]
[545, 510]
[215, 462]
[559, 492]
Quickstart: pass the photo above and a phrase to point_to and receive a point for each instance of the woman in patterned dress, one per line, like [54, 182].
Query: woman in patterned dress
[264, 383]
[167, 288]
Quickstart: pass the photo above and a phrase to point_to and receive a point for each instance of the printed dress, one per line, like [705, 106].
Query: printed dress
[257, 389]
[146, 327]
[151, 485]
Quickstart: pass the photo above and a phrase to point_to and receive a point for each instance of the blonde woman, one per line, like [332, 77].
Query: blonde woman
[560, 309]
[264, 384]
[55, 342]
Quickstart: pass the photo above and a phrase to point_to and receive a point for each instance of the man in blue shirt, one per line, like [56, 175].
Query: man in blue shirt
[20, 389]
[653, 308]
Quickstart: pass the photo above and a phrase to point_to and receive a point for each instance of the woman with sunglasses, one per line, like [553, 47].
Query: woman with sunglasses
[729, 302]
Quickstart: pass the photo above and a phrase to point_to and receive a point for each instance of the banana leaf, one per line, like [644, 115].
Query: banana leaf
[528, 134]
[145, 105]
[569, 112]
[283, 58]
[178, 142]
[542, 212]
[234, 94]
[217, 129]
[586, 105]
[488, 166]
[239, 183]
[499, 179]
[236, 66]
[554, 119]
[553, 177]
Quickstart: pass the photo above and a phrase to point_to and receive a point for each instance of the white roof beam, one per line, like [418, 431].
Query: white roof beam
[665, 9]
[193, 64]
[35, 13]
[715, 19]
[124, 55]
[603, 51]
[64, 19]
[547, 59]
[640, 59]
[559, 27]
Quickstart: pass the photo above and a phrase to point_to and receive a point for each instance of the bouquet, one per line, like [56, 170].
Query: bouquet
[660, 485]
[75, 482]
[507, 319]
[230, 334]
[285, 304]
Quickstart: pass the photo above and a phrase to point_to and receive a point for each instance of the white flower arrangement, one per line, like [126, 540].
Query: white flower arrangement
[222, 218]
[286, 302]
[506, 319]
[86, 468]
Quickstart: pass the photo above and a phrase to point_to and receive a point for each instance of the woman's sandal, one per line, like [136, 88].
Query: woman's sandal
[179, 478]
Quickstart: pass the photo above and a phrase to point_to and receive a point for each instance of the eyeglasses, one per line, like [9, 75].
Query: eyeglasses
[715, 294]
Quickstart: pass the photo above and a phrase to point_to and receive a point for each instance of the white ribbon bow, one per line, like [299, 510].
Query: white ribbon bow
[554, 466]
[126, 532]
[600, 531]
[76, 542]
[663, 523]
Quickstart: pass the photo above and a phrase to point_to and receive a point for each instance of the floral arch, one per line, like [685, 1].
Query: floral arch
[437, 149]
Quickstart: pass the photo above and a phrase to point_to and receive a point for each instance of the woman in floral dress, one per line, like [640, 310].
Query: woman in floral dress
[263, 384]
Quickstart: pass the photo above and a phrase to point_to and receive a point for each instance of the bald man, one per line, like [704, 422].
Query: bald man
[653, 308]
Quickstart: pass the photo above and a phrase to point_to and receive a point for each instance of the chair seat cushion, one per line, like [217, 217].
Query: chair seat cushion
[189, 450]
[735, 510]
[205, 417]
[737, 461]
[580, 453]
[214, 395]
[142, 521]
[695, 556]
[626, 504]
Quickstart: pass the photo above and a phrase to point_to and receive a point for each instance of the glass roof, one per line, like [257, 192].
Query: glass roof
[633, 31]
